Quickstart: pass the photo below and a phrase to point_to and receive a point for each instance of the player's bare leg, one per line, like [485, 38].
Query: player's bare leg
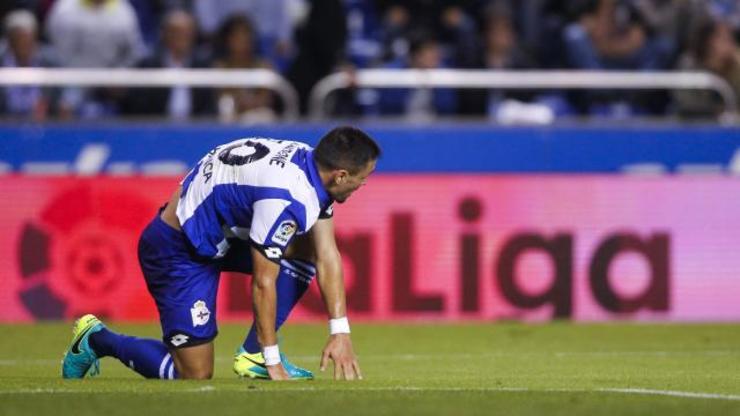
[194, 362]
[301, 249]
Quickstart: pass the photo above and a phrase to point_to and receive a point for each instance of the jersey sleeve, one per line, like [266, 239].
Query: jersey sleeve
[273, 227]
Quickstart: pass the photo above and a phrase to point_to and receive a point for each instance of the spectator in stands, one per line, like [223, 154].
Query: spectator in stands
[321, 39]
[236, 47]
[149, 14]
[503, 50]
[714, 49]
[364, 48]
[502, 46]
[23, 50]
[396, 26]
[420, 104]
[455, 30]
[728, 11]
[457, 33]
[426, 15]
[500, 49]
[274, 24]
[609, 34]
[670, 22]
[10, 6]
[179, 102]
[93, 34]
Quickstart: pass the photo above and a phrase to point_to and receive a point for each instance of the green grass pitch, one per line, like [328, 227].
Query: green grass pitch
[476, 369]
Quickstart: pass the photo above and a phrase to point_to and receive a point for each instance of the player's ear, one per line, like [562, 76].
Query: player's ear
[340, 176]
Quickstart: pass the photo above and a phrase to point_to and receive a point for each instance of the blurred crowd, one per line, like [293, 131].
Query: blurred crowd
[305, 40]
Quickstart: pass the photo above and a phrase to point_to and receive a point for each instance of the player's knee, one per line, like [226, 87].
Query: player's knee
[195, 363]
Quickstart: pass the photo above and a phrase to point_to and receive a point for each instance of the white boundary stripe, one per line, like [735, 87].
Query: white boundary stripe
[674, 393]
[202, 389]
[210, 388]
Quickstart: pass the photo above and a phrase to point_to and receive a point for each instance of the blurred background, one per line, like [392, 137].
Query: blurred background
[542, 159]
[305, 41]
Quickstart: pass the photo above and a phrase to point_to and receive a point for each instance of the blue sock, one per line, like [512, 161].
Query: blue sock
[291, 284]
[148, 357]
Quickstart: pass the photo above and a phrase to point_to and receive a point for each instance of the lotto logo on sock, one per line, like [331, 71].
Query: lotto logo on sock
[200, 313]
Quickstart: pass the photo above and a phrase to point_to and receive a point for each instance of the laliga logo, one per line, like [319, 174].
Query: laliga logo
[75, 252]
[288, 228]
[501, 267]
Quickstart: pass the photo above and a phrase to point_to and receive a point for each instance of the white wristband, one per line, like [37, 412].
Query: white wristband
[339, 326]
[271, 354]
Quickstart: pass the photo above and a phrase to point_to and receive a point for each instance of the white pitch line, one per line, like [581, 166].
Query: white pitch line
[674, 393]
[202, 389]
[209, 389]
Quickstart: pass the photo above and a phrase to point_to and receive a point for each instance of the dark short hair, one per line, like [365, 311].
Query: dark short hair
[346, 148]
[228, 27]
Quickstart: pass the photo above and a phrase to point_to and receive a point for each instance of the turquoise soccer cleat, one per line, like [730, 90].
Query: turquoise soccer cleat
[295, 372]
[253, 366]
[79, 359]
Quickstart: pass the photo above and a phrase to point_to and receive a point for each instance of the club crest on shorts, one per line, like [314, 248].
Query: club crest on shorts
[200, 313]
[284, 231]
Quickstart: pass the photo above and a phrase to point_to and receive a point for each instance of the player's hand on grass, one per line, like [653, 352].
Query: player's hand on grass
[339, 349]
[277, 372]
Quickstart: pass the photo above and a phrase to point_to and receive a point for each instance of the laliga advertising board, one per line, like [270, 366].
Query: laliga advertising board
[414, 247]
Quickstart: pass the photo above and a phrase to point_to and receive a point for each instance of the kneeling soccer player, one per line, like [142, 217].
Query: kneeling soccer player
[257, 206]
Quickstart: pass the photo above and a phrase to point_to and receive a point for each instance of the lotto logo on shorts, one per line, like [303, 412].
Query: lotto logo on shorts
[273, 253]
[200, 313]
[178, 340]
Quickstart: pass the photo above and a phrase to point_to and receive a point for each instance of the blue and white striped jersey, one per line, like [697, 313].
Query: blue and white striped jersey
[260, 190]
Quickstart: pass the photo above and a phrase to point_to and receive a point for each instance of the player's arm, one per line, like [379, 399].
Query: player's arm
[264, 301]
[331, 284]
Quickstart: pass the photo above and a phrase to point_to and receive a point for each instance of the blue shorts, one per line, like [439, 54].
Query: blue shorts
[183, 284]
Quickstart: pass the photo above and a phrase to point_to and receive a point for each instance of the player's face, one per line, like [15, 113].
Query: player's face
[345, 183]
